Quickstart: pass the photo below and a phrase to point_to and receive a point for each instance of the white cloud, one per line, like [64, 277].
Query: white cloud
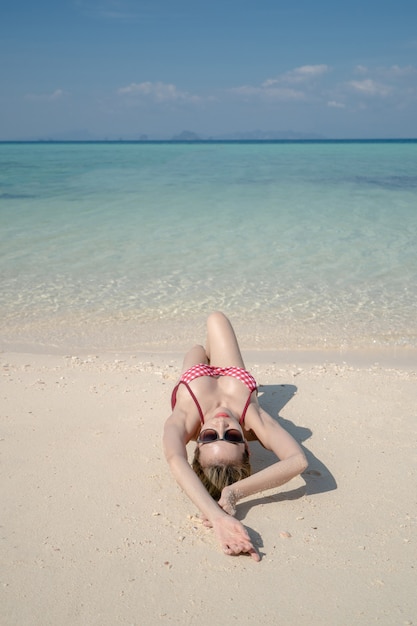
[361, 69]
[46, 97]
[395, 71]
[158, 92]
[301, 74]
[270, 82]
[335, 104]
[369, 87]
[395, 83]
[306, 72]
[307, 83]
[280, 89]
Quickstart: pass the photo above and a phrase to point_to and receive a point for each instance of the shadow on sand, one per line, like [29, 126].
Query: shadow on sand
[317, 476]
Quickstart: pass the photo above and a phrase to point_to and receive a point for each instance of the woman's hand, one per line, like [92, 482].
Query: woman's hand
[228, 500]
[233, 537]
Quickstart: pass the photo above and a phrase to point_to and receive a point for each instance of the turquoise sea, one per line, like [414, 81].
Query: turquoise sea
[130, 245]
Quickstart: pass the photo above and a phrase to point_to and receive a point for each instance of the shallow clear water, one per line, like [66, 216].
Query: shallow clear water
[302, 244]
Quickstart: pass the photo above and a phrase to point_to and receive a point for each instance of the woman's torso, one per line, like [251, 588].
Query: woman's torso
[212, 393]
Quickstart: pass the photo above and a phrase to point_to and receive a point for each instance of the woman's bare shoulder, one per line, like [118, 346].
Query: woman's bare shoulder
[271, 434]
[185, 423]
[256, 416]
[261, 424]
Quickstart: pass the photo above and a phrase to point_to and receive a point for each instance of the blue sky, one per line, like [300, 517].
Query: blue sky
[123, 68]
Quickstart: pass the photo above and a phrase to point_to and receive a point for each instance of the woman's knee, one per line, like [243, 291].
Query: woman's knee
[196, 354]
[217, 318]
[197, 349]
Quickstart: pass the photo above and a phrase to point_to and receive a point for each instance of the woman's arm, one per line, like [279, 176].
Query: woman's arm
[175, 452]
[231, 534]
[275, 438]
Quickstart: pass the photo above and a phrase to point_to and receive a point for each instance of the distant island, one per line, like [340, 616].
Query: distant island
[185, 135]
[255, 135]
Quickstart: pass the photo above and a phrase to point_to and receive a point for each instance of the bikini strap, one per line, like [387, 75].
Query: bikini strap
[196, 402]
[192, 394]
[242, 419]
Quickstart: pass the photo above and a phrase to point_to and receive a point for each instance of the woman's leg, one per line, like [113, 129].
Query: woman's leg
[222, 347]
[194, 356]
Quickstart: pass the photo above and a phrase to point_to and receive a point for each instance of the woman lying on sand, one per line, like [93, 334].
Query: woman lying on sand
[215, 404]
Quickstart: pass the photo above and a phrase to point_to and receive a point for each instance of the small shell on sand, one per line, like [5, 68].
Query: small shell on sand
[284, 534]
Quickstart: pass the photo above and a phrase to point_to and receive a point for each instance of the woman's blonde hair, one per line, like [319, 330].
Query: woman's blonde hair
[215, 477]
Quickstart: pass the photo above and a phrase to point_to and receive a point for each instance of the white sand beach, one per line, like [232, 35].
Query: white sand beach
[96, 532]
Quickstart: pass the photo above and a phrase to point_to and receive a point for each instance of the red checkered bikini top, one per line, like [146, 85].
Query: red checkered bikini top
[202, 369]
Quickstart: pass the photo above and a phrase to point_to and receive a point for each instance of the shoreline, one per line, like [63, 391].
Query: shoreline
[389, 357]
[259, 340]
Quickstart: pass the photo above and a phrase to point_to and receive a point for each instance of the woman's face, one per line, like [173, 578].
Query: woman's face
[221, 451]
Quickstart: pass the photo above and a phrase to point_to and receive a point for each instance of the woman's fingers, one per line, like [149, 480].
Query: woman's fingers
[236, 549]
[233, 537]
[207, 523]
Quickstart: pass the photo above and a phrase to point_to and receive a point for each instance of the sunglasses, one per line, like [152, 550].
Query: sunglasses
[231, 436]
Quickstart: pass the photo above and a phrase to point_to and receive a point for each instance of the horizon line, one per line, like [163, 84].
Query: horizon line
[196, 141]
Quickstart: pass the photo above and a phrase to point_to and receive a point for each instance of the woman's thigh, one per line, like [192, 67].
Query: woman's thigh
[222, 346]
